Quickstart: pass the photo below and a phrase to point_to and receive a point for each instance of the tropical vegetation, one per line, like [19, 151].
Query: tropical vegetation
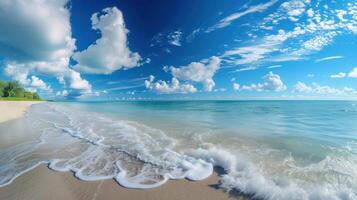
[12, 90]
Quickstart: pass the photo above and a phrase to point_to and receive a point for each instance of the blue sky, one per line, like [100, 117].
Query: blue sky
[132, 50]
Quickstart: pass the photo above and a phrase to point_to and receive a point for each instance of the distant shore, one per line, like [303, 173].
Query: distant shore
[11, 110]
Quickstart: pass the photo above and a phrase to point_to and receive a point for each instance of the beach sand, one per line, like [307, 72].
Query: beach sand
[10, 110]
[42, 183]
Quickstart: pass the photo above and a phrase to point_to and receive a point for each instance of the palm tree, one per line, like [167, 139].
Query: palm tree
[13, 89]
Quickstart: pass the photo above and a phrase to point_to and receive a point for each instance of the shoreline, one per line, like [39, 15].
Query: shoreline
[14, 109]
[43, 183]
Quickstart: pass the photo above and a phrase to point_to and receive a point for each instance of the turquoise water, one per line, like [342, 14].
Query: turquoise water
[268, 149]
[294, 125]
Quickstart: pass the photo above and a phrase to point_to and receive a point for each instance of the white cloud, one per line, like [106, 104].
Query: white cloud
[250, 68]
[310, 12]
[167, 39]
[328, 58]
[310, 75]
[229, 19]
[294, 8]
[193, 35]
[339, 75]
[37, 34]
[45, 25]
[39, 84]
[157, 40]
[197, 72]
[18, 72]
[174, 38]
[274, 66]
[37, 40]
[317, 27]
[318, 42]
[76, 82]
[323, 90]
[21, 73]
[165, 87]
[236, 86]
[62, 93]
[110, 52]
[272, 82]
[248, 54]
[261, 51]
[353, 73]
[302, 87]
[220, 90]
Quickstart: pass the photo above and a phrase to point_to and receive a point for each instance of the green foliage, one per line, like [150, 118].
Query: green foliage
[28, 95]
[2, 86]
[13, 90]
[36, 96]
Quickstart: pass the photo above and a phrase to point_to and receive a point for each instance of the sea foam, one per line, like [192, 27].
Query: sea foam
[96, 147]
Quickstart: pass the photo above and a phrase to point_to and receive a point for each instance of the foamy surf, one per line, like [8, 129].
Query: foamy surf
[97, 147]
[136, 161]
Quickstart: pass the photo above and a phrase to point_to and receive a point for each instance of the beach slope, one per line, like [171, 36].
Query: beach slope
[42, 183]
[10, 110]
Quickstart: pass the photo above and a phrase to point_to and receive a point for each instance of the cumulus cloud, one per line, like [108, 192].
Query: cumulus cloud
[62, 93]
[36, 39]
[165, 87]
[20, 73]
[110, 52]
[76, 82]
[201, 72]
[236, 86]
[353, 73]
[322, 90]
[37, 34]
[272, 82]
[339, 75]
[39, 84]
[302, 87]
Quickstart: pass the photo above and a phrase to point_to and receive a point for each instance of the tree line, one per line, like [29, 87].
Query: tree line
[15, 90]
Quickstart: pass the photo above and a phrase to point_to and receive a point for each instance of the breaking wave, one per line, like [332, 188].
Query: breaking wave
[96, 147]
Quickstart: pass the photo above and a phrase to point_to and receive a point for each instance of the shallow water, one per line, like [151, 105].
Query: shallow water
[269, 149]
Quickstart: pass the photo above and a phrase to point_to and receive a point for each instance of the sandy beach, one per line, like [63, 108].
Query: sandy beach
[14, 109]
[42, 183]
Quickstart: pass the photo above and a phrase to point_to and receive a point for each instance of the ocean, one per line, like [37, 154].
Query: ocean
[264, 149]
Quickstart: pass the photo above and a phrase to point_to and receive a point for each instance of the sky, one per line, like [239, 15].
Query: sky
[181, 50]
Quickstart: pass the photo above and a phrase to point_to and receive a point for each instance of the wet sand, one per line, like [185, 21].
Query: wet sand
[42, 183]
